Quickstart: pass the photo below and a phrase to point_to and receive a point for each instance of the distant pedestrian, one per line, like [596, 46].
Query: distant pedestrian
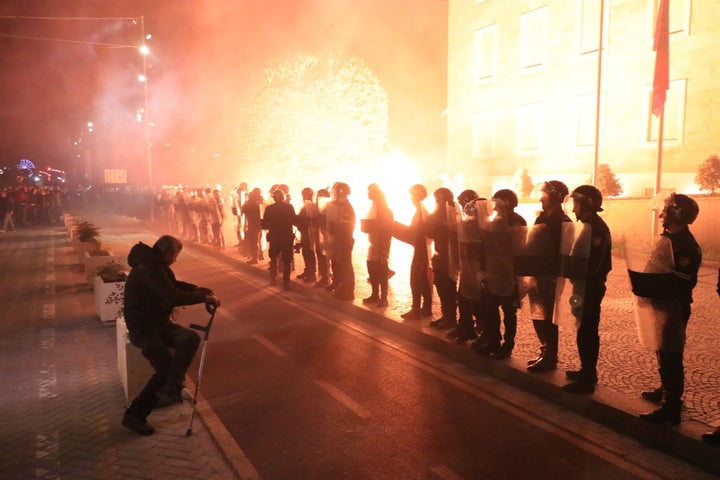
[678, 213]
[6, 212]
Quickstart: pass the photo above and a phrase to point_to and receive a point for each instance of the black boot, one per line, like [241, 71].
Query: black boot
[137, 424]
[654, 396]
[669, 413]
[712, 438]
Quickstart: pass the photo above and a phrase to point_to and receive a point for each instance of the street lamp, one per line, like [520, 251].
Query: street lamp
[145, 51]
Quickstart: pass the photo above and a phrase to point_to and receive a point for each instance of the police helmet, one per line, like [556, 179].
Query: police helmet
[420, 190]
[341, 188]
[443, 194]
[680, 209]
[589, 198]
[507, 196]
[556, 190]
[278, 195]
[307, 193]
[467, 196]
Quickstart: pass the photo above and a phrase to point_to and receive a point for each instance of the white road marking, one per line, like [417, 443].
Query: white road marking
[343, 398]
[270, 346]
[445, 473]
[48, 312]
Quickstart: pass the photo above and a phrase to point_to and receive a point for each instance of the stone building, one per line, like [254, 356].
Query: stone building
[523, 82]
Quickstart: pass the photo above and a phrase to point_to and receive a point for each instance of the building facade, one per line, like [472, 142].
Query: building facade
[523, 83]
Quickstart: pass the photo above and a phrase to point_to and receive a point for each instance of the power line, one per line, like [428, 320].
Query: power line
[61, 40]
[95, 19]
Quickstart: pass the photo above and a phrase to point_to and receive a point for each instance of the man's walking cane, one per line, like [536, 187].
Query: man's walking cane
[211, 309]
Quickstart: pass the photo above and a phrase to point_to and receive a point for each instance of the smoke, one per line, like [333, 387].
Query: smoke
[207, 56]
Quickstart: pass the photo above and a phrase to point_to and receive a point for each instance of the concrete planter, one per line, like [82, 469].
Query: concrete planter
[82, 247]
[93, 262]
[134, 369]
[108, 299]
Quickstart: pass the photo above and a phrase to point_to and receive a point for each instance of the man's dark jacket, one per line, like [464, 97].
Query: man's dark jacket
[151, 291]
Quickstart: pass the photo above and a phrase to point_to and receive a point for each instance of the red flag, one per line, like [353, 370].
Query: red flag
[662, 58]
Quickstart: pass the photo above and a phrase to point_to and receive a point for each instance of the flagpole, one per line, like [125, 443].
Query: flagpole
[658, 168]
[661, 83]
[597, 93]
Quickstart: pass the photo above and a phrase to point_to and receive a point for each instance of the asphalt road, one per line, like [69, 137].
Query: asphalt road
[305, 391]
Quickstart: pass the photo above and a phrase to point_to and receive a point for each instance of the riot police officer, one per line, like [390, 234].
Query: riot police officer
[587, 201]
[551, 217]
[679, 211]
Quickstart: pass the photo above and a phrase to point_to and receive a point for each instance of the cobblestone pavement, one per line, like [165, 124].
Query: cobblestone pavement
[63, 399]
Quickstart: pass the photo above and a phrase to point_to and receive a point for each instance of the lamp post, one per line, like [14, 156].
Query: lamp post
[144, 51]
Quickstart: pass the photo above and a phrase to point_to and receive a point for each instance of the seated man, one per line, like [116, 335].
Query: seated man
[151, 293]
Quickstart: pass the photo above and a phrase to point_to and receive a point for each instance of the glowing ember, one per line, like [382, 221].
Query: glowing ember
[313, 121]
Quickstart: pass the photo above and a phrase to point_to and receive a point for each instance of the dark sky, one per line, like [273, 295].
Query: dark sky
[206, 55]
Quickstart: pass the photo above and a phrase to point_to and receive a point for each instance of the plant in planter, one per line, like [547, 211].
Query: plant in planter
[113, 271]
[87, 236]
[88, 232]
[109, 285]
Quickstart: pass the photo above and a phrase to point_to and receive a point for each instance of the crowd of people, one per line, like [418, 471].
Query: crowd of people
[22, 206]
[480, 257]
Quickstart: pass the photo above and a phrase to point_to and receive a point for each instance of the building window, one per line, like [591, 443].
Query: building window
[530, 122]
[484, 129]
[586, 115]
[485, 53]
[533, 37]
[674, 122]
[679, 16]
[588, 21]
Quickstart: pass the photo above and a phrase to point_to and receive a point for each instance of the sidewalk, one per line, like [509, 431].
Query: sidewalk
[63, 399]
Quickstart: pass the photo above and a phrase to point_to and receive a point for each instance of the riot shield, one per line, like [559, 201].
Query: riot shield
[572, 279]
[327, 212]
[500, 266]
[529, 247]
[654, 285]
[311, 213]
[454, 219]
[471, 252]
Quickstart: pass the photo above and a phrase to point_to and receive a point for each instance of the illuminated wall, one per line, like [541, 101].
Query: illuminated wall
[523, 82]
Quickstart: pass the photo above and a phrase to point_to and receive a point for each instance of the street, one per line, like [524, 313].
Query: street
[307, 392]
